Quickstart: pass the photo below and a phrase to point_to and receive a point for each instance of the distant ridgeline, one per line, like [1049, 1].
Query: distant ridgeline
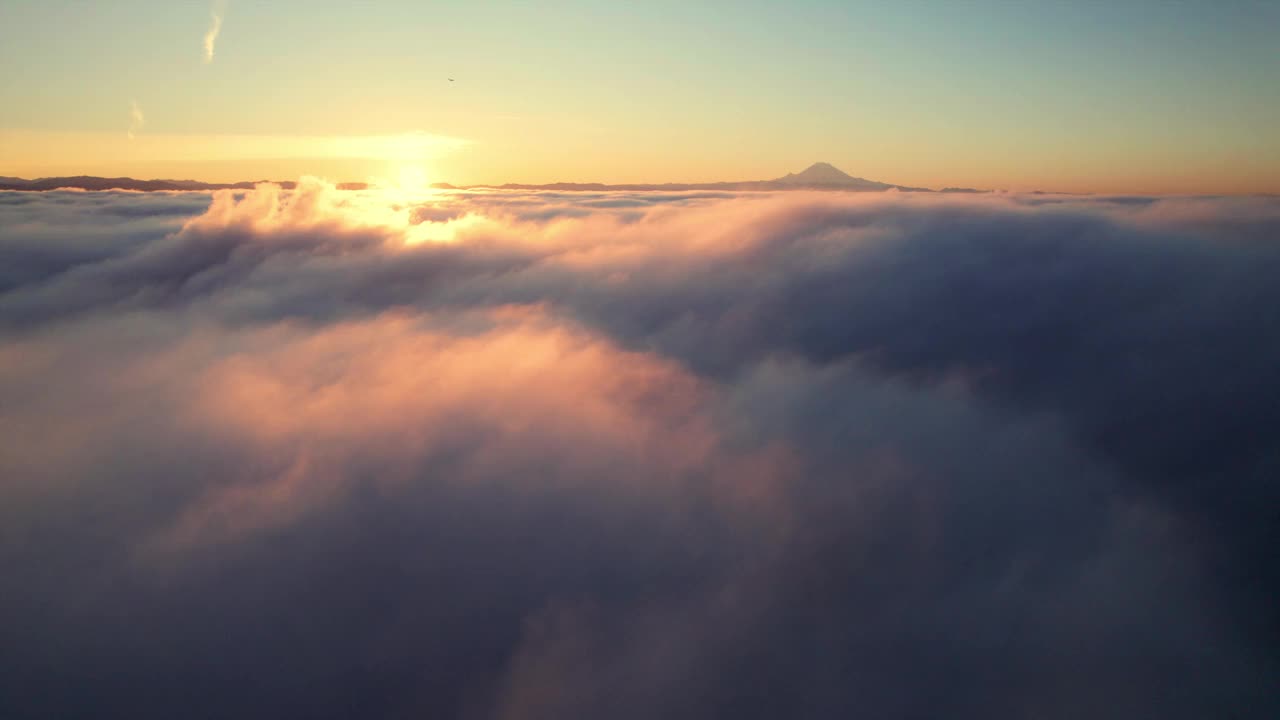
[819, 176]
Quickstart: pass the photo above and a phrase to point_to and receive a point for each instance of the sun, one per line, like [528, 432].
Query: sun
[403, 182]
[413, 179]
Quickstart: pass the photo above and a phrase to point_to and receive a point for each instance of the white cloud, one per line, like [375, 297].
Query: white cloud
[136, 119]
[215, 27]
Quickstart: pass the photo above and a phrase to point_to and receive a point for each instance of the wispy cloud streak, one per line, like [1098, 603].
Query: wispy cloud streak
[215, 27]
[136, 119]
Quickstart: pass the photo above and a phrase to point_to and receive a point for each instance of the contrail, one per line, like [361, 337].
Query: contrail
[136, 118]
[215, 26]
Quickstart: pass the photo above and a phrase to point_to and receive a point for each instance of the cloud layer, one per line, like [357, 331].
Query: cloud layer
[544, 455]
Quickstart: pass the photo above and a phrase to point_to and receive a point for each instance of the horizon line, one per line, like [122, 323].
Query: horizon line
[6, 180]
[8, 184]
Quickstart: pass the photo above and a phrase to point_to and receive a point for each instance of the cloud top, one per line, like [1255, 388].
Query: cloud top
[522, 455]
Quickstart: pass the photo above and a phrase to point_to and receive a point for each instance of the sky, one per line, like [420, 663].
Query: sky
[1134, 97]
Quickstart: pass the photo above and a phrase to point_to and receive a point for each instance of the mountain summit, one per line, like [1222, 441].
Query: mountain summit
[826, 175]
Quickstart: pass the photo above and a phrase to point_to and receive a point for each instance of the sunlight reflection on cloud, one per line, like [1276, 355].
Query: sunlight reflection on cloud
[524, 454]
